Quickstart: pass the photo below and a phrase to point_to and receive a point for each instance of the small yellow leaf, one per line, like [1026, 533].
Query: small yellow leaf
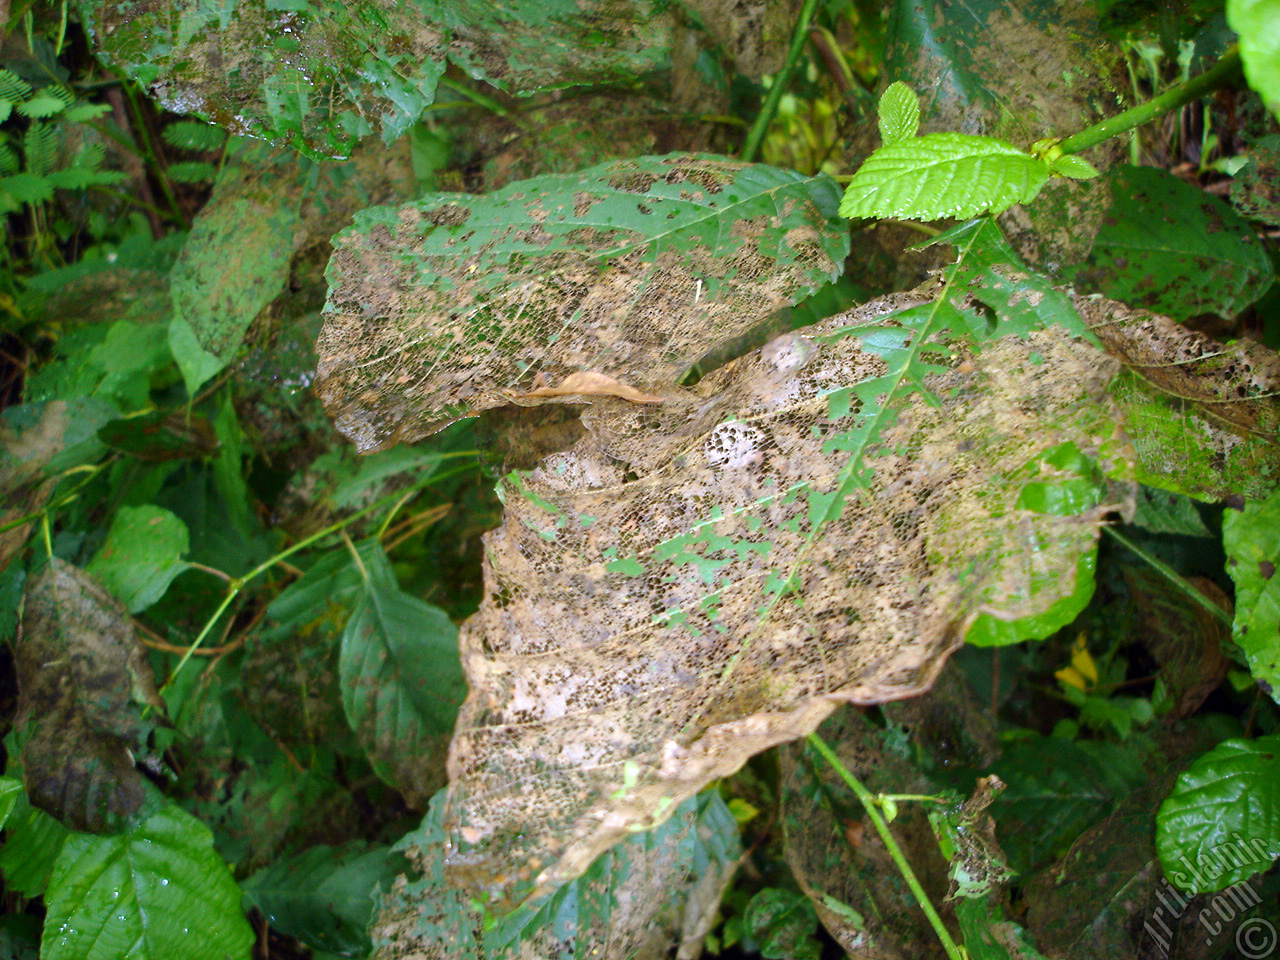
[1083, 672]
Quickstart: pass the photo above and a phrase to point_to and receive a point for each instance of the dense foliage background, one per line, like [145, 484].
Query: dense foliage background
[231, 614]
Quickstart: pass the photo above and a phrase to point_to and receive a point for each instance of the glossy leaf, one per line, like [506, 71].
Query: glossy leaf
[235, 262]
[1172, 248]
[10, 791]
[1258, 24]
[1251, 537]
[324, 896]
[155, 893]
[141, 555]
[1221, 823]
[943, 175]
[401, 680]
[899, 113]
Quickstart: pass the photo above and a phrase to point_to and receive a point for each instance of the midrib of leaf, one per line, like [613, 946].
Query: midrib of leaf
[848, 480]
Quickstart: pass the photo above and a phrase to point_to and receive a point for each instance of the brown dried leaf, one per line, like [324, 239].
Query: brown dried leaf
[642, 637]
[1204, 417]
[590, 384]
[442, 308]
[82, 677]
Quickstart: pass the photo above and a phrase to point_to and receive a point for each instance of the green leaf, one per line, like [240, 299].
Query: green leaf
[631, 269]
[10, 792]
[234, 263]
[401, 679]
[80, 178]
[12, 87]
[27, 187]
[989, 936]
[943, 175]
[1172, 248]
[1221, 823]
[1258, 24]
[84, 112]
[1160, 511]
[899, 113]
[192, 172]
[992, 631]
[141, 555]
[194, 135]
[324, 896]
[33, 843]
[1251, 538]
[155, 893]
[1077, 168]
[46, 102]
[785, 924]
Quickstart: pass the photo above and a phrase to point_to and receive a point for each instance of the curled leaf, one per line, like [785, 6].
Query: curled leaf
[589, 384]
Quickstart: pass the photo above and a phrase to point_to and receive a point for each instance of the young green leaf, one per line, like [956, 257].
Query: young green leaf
[943, 175]
[46, 102]
[154, 893]
[1251, 538]
[899, 113]
[141, 555]
[1258, 24]
[1221, 823]
[1077, 168]
[194, 135]
[785, 924]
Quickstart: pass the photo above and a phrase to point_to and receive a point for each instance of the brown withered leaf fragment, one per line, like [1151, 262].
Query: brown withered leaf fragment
[1183, 637]
[1204, 416]
[660, 605]
[82, 679]
[24, 486]
[590, 384]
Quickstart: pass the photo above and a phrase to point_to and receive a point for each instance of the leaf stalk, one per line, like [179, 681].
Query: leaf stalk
[1225, 72]
[760, 127]
[870, 803]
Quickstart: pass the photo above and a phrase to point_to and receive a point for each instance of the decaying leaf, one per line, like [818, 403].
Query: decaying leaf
[817, 523]
[1204, 417]
[439, 308]
[589, 384]
[83, 679]
[650, 891]
[323, 73]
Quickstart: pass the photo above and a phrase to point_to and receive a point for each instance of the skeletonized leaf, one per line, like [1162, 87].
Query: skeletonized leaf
[1204, 417]
[899, 113]
[788, 540]
[662, 886]
[943, 175]
[633, 269]
[155, 893]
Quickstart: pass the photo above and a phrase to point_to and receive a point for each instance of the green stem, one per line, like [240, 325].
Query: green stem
[1224, 72]
[755, 136]
[1170, 574]
[869, 804]
[236, 585]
